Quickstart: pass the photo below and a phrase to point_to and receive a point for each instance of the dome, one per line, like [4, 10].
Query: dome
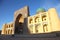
[41, 10]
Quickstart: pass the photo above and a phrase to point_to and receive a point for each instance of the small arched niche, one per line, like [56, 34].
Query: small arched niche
[37, 19]
[45, 29]
[30, 21]
[44, 17]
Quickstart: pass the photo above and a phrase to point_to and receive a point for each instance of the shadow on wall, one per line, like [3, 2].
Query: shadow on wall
[18, 25]
[21, 25]
[26, 30]
[0, 32]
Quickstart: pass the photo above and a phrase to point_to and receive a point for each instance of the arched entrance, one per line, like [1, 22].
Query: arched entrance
[19, 24]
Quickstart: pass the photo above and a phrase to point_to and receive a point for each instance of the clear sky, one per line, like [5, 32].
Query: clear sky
[8, 7]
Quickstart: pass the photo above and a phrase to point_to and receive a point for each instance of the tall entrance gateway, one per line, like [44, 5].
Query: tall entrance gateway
[19, 22]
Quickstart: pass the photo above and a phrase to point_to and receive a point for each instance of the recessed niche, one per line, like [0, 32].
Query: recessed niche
[43, 17]
[45, 29]
[30, 21]
[37, 19]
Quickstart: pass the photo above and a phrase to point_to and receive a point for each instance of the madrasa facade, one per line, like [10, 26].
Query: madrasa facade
[42, 22]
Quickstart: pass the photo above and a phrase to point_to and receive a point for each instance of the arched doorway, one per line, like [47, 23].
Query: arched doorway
[19, 24]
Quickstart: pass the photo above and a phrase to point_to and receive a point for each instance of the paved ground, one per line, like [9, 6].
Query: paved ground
[50, 36]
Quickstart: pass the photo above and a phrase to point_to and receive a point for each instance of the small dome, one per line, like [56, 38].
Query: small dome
[41, 10]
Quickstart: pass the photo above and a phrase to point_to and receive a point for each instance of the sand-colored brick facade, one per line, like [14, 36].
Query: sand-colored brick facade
[8, 29]
[42, 22]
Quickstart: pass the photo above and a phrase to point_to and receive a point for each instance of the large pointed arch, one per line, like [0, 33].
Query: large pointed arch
[19, 24]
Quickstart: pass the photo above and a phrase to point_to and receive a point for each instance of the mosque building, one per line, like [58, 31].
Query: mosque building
[42, 22]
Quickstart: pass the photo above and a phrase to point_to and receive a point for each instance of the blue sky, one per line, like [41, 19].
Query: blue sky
[8, 7]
